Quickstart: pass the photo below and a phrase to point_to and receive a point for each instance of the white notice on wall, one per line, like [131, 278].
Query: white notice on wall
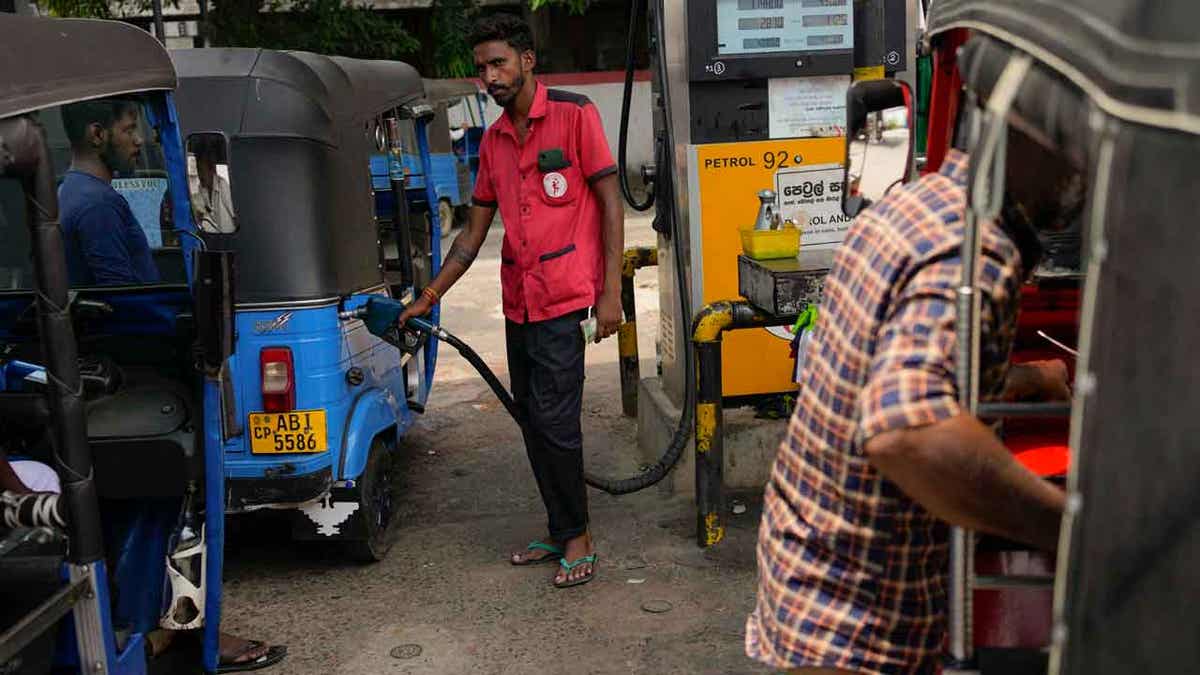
[812, 197]
[806, 107]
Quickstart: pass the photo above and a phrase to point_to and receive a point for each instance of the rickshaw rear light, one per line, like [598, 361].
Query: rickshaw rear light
[278, 379]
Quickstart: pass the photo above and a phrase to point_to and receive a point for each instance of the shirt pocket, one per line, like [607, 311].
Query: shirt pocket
[561, 187]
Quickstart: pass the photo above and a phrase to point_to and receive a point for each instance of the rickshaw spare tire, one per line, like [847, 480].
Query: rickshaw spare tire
[376, 505]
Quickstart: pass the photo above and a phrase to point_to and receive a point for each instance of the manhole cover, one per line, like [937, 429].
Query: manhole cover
[406, 652]
[657, 606]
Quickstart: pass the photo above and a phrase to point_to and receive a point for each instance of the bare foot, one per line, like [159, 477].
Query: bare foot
[529, 556]
[234, 649]
[576, 548]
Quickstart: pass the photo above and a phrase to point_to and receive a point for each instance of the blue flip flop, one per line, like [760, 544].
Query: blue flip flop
[568, 566]
[553, 550]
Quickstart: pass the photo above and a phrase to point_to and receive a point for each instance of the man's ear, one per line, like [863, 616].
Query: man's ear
[528, 60]
[96, 135]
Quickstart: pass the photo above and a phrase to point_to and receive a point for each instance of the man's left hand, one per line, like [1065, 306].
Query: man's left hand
[608, 314]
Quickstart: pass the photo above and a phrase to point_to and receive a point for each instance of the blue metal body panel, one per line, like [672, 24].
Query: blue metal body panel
[443, 167]
[137, 532]
[214, 523]
[132, 659]
[431, 348]
[374, 411]
[324, 348]
[129, 661]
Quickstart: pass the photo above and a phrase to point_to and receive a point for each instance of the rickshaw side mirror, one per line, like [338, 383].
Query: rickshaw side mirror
[214, 300]
[209, 186]
[879, 135]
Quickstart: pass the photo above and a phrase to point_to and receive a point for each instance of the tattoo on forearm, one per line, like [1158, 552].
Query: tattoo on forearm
[462, 254]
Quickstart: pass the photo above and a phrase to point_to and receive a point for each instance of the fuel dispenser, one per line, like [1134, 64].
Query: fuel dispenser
[757, 95]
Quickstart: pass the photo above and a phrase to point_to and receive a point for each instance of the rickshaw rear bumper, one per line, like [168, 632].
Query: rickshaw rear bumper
[244, 494]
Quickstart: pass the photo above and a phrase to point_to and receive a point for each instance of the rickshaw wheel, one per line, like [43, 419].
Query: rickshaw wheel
[446, 216]
[376, 501]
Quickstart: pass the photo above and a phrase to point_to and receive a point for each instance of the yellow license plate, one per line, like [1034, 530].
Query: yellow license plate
[296, 431]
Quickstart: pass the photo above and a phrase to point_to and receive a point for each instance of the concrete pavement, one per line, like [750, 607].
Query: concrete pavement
[447, 601]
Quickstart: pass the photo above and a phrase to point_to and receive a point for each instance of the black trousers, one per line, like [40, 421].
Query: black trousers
[545, 364]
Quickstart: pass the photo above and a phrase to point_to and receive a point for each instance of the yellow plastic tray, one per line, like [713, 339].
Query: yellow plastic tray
[771, 244]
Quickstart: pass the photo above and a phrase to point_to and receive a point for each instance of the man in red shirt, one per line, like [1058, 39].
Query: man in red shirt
[547, 166]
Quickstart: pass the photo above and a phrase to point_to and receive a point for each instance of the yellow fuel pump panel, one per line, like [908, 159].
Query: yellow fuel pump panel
[806, 176]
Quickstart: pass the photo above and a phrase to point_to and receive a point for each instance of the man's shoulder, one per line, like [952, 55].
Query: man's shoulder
[569, 98]
[925, 214]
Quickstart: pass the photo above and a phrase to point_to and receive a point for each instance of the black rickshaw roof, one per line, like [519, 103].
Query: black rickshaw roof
[261, 92]
[47, 62]
[446, 90]
[1138, 60]
[302, 130]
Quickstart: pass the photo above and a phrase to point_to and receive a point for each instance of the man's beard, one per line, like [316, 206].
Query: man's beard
[117, 164]
[510, 92]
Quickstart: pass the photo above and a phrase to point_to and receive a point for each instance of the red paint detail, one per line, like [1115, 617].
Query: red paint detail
[943, 97]
[1013, 617]
[1044, 460]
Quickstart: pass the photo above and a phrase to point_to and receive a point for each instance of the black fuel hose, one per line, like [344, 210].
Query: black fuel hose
[664, 188]
[635, 9]
[486, 373]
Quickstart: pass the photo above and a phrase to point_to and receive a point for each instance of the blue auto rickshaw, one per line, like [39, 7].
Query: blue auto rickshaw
[116, 388]
[443, 168]
[313, 406]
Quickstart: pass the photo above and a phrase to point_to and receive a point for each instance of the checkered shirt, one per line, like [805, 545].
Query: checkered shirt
[852, 573]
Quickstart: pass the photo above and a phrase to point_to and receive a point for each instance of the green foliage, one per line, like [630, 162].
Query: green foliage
[573, 6]
[451, 24]
[94, 9]
[332, 27]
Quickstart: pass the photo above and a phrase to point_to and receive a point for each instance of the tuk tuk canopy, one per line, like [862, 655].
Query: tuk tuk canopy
[1138, 60]
[103, 58]
[1116, 85]
[437, 91]
[301, 129]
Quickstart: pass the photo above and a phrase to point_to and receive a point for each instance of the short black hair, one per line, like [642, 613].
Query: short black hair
[105, 112]
[209, 147]
[504, 27]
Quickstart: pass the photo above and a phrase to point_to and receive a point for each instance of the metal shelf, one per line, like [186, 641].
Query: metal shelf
[1009, 410]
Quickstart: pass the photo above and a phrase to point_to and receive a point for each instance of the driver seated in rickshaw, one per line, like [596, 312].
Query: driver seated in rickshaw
[105, 244]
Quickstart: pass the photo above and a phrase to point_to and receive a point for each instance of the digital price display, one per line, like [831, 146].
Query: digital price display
[776, 26]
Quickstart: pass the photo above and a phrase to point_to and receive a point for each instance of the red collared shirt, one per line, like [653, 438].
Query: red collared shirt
[552, 261]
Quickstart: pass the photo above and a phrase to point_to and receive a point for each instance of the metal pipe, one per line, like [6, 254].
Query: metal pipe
[29, 158]
[400, 222]
[160, 30]
[985, 188]
[634, 259]
[710, 446]
[201, 39]
[710, 324]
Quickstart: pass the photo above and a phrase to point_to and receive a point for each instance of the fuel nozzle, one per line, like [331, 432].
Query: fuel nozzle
[380, 315]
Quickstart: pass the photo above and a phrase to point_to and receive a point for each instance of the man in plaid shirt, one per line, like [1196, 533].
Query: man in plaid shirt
[852, 549]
